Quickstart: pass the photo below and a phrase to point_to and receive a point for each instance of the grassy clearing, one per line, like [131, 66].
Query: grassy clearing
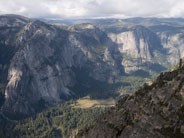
[86, 102]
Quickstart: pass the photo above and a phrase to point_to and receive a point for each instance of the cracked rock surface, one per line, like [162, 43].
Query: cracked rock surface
[155, 111]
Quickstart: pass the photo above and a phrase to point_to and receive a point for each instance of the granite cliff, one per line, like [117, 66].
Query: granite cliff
[45, 60]
[141, 48]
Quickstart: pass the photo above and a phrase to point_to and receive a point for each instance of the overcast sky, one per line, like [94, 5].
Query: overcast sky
[93, 8]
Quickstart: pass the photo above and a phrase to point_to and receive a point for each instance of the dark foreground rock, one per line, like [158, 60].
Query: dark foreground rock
[155, 111]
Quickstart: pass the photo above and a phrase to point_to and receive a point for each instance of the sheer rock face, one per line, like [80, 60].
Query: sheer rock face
[43, 63]
[143, 46]
[155, 111]
[138, 46]
[174, 43]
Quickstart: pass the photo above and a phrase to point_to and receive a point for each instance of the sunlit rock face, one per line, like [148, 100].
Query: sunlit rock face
[144, 46]
[174, 43]
[138, 47]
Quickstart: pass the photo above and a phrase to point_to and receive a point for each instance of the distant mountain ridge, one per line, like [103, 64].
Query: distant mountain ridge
[167, 32]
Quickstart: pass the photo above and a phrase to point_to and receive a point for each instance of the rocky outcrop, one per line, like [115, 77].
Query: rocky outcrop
[155, 111]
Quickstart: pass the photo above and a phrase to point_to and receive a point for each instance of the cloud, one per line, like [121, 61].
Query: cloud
[93, 8]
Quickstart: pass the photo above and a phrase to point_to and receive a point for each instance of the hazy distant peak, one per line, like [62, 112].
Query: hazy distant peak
[82, 26]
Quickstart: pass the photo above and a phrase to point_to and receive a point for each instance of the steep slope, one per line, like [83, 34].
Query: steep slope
[167, 33]
[142, 36]
[172, 40]
[140, 47]
[9, 27]
[47, 61]
[155, 111]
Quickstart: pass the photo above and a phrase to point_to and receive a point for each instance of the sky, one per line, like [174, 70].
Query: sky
[65, 9]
